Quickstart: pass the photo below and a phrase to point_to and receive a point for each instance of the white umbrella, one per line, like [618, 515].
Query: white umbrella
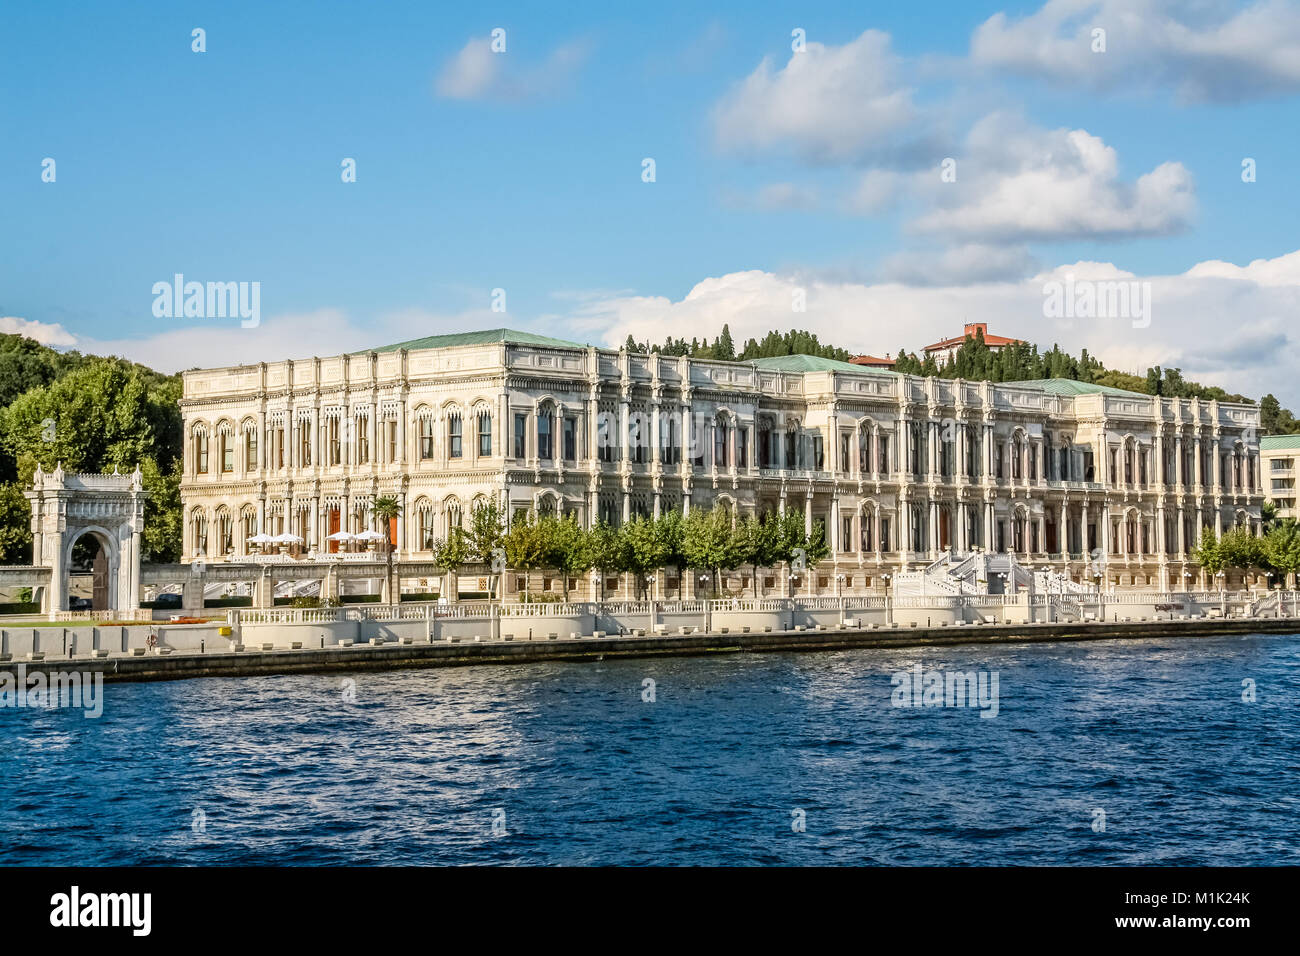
[340, 536]
[261, 538]
[287, 538]
[370, 536]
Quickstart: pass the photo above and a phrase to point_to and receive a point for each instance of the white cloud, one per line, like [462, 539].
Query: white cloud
[1248, 315]
[47, 333]
[959, 265]
[479, 73]
[829, 104]
[471, 73]
[774, 196]
[1015, 182]
[216, 343]
[1205, 50]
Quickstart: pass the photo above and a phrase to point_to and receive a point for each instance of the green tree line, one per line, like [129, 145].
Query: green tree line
[91, 414]
[707, 541]
[1277, 550]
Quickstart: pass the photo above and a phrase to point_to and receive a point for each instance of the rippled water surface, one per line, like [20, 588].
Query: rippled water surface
[284, 770]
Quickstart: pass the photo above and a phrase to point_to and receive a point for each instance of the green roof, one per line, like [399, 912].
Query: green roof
[811, 363]
[1068, 386]
[1278, 442]
[482, 337]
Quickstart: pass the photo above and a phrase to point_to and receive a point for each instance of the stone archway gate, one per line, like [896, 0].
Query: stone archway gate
[67, 506]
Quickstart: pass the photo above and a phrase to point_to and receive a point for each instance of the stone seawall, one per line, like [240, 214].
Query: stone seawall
[388, 656]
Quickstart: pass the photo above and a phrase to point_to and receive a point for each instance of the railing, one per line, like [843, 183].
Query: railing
[680, 607]
[543, 610]
[751, 604]
[1076, 605]
[133, 614]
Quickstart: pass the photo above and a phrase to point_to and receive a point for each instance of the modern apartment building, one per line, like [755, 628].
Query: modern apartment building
[1081, 478]
[1279, 454]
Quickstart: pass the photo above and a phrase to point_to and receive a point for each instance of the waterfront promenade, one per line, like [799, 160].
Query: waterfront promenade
[288, 640]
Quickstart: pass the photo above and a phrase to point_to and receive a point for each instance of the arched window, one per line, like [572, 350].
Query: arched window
[484, 434]
[201, 450]
[426, 437]
[251, 462]
[545, 435]
[199, 530]
[454, 449]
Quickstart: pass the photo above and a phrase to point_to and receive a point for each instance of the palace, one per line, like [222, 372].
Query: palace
[1091, 481]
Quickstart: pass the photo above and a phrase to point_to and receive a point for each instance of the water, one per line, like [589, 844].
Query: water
[284, 771]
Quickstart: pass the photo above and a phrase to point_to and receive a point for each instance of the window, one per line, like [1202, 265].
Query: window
[882, 450]
[362, 426]
[390, 430]
[545, 449]
[884, 534]
[304, 433]
[605, 432]
[227, 453]
[818, 461]
[570, 439]
[845, 449]
[638, 434]
[278, 437]
[335, 446]
[453, 437]
[866, 533]
[426, 530]
[720, 445]
[670, 443]
[791, 448]
[846, 537]
[484, 435]
[201, 453]
[426, 438]
[521, 436]
[250, 449]
[742, 448]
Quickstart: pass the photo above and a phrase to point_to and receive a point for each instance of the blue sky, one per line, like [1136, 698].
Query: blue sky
[522, 171]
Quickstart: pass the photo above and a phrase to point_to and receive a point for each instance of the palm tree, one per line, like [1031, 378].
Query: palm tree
[386, 509]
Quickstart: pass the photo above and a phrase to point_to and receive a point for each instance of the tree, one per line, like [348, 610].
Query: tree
[1209, 554]
[15, 525]
[90, 414]
[710, 543]
[485, 536]
[1274, 419]
[1282, 544]
[163, 522]
[1241, 549]
[643, 549]
[670, 527]
[525, 543]
[724, 348]
[607, 553]
[450, 554]
[566, 550]
[386, 509]
[759, 543]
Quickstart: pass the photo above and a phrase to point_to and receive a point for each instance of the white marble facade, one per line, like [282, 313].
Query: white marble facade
[900, 468]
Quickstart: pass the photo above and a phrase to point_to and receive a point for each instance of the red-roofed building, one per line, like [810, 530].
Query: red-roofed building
[873, 361]
[942, 351]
